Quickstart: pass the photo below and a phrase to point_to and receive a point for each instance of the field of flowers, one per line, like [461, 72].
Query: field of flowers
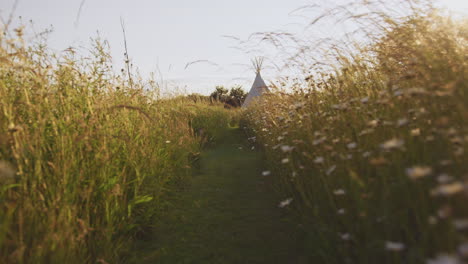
[372, 155]
[86, 156]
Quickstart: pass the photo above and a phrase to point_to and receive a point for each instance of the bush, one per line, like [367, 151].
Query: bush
[235, 98]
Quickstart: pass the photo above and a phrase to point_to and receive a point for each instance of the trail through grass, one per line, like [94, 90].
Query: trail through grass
[226, 215]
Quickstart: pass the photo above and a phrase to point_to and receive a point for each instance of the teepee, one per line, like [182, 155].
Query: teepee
[259, 87]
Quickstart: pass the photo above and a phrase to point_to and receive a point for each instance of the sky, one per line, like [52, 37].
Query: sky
[167, 36]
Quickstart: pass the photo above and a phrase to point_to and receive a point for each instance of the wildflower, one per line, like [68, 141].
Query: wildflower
[339, 106]
[401, 122]
[397, 93]
[339, 192]
[286, 148]
[298, 106]
[168, 141]
[285, 160]
[444, 212]
[366, 132]
[373, 123]
[417, 172]
[415, 132]
[330, 170]
[394, 246]
[318, 160]
[448, 189]
[460, 224]
[345, 236]
[444, 259]
[285, 203]
[444, 178]
[318, 141]
[352, 145]
[266, 173]
[393, 143]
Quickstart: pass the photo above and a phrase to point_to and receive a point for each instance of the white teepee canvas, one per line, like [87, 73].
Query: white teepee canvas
[258, 88]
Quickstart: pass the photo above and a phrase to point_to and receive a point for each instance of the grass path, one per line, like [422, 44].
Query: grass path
[226, 215]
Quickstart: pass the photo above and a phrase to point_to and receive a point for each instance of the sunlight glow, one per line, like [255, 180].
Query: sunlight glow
[457, 6]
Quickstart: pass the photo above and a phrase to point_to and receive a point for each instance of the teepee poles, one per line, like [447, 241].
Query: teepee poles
[257, 64]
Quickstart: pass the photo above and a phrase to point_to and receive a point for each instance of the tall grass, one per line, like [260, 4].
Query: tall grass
[373, 152]
[85, 160]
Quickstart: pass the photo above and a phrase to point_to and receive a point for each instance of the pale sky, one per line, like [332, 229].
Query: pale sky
[164, 35]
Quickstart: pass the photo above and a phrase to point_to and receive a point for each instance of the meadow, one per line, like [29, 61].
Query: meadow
[370, 152]
[86, 156]
[366, 154]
